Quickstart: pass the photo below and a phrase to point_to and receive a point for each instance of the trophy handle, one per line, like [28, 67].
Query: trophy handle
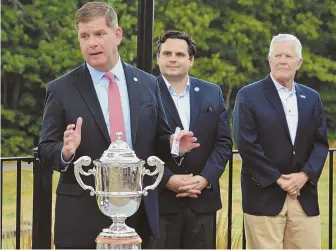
[153, 161]
[84, 161]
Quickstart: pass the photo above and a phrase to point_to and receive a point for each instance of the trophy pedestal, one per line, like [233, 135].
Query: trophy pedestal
[118, 236]
[114, 242]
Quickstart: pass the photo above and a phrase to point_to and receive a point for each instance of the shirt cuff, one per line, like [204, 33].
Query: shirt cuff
[180, 155]
[179, 159]
[65, 164]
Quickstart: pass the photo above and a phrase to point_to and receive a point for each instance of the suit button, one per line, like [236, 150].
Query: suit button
[186, 170]
[293, 152]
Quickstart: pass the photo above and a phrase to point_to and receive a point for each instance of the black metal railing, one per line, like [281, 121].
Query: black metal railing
[229, 209]
[42, 202]
[18, 161]
[331, 185]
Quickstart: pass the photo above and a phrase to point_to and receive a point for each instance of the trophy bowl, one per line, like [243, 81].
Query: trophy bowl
[119, 187]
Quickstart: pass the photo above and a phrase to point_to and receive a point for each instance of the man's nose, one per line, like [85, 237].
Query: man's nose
[283, 60]
[93, 42]
[172, 58]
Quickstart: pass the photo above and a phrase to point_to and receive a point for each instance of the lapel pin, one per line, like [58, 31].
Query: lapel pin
[196, 89]
[302, 96]
[135, 79]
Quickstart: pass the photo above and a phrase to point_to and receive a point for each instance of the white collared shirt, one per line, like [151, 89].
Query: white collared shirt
[289, 104]
[182, 102]
[101, 86]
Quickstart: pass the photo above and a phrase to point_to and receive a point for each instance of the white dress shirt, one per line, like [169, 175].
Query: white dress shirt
[289, 104]
[182, 102]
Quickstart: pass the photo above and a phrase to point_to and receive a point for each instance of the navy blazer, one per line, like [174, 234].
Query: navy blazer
[78, 219]
[210, 124]
[263, 140]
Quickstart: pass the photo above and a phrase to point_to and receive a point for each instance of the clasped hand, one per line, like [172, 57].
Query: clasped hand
[292, 183]
[187, 185]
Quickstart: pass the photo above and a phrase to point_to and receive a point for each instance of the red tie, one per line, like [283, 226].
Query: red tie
[115, 108]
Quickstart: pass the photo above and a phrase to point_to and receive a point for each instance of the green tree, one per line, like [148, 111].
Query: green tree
[39, 44]
[233, 38]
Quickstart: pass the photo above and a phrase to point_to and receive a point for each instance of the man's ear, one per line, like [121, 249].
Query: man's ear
[269, 61]
[300, 61]
[192, 58]
[119, 34]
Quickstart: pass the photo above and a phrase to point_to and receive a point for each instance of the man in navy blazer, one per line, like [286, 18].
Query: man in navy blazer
[280, 131]
[76, 122]
[189, 193]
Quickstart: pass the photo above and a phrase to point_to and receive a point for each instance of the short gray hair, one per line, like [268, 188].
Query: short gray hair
[287, 37]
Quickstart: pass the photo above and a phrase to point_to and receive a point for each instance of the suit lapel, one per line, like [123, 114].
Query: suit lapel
[134, 96]
[300, 97]
[169, 103]
[273, 97]
[195, 102]
[85, 87]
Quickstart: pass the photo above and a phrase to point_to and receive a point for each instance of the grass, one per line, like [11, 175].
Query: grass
[25, 241]
[9, 206]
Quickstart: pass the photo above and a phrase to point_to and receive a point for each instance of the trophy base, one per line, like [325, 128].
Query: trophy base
[105, 241]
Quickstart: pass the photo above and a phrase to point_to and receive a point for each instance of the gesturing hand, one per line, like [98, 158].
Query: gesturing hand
[71, 139]
[187, 141]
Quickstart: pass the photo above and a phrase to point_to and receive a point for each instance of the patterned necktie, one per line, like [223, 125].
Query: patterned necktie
[115, 108]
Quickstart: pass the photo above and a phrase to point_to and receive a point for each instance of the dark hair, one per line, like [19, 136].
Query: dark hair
[93, 10]
[173, 34]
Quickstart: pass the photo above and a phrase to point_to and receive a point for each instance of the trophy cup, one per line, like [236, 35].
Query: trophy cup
[118, 188]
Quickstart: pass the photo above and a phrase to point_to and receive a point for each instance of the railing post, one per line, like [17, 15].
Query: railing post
[42, 205]
[214, 230]
[331, 185]
[18, 205]
[1, 199]
[229, 232]
[145, 35]
[244, 237]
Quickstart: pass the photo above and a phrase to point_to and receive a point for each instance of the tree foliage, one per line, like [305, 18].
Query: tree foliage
[39, 44]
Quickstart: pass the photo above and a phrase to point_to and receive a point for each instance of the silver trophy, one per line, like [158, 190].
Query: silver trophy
[118, 187]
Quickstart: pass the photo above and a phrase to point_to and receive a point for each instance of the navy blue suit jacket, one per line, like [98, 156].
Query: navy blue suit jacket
[210, 124]
[263, 140]
[78, 219]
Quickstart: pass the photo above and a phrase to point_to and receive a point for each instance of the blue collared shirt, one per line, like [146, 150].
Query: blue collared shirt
[100, 84]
